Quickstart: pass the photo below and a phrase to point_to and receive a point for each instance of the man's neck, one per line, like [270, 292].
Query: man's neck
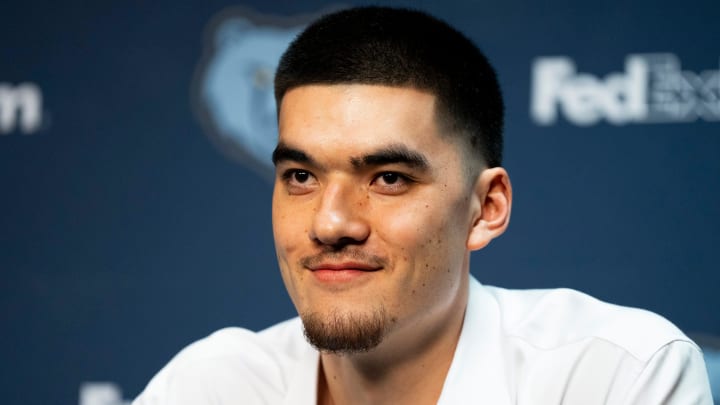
[408, 367]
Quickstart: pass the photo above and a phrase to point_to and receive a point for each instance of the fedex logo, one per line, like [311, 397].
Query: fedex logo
[652, 88]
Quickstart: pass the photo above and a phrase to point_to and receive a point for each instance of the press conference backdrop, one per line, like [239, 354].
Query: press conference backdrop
[135, 177]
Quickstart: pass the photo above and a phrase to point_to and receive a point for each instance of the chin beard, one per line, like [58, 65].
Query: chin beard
[345, 333]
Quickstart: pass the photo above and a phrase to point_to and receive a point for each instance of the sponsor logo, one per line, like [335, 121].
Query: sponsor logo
[20, 108]
[233, 91]
[652, 89]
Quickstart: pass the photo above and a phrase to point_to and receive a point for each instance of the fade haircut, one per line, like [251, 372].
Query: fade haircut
[403, 48]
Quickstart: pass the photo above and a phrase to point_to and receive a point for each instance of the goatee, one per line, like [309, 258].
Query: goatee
[345, 333]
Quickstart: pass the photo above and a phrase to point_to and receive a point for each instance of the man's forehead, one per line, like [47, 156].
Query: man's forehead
[357, 109]
[378, 90]
[356, 123]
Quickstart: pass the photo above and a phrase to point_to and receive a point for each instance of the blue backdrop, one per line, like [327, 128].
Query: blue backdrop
[135, 201]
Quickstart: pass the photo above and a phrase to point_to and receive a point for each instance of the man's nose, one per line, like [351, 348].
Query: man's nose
[340, 216]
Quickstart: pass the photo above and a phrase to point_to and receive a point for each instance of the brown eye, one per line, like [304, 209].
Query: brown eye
[391, 183]
[390, 178]
[301, 176]
[299, 181]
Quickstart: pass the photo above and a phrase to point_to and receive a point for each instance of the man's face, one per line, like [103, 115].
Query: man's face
[371, 213]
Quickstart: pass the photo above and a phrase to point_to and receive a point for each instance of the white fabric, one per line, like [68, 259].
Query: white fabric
[516, 347]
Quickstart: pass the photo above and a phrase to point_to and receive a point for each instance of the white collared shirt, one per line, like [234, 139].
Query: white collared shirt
[516, 347]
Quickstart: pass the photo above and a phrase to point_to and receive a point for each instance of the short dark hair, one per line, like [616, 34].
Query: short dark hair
[401, 47]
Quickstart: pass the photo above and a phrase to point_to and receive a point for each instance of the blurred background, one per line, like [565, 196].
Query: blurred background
[135, 179]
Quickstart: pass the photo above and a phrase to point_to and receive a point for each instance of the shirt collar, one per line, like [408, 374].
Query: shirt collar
[478, 369]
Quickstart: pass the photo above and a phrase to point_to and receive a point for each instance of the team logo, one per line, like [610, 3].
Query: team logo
[652, 89]
[233, 88]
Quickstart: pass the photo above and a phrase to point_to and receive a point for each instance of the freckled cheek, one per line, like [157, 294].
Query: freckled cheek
[412, 234]
[288, 229]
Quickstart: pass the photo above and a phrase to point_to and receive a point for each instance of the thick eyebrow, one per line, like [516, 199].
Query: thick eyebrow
[284, 152]
[392, 154]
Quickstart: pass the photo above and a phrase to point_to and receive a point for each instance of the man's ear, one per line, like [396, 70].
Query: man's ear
[492, 200]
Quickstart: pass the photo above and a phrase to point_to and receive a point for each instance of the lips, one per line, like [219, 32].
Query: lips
[343, 269]
[344, 266]
[347, 260]
[343, 276]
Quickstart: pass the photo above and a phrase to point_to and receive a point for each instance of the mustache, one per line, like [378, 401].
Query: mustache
[344, 255]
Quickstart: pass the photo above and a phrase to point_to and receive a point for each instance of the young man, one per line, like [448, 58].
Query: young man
[388, 176]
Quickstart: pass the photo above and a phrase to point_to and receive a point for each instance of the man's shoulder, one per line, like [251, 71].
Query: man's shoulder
[231, 363]
[273, 345]
[561, 345]
[553, 318]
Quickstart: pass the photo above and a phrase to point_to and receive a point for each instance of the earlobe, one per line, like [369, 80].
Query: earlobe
[491, 207]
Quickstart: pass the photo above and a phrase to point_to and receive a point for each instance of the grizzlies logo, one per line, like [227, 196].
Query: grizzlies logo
[233, 86]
